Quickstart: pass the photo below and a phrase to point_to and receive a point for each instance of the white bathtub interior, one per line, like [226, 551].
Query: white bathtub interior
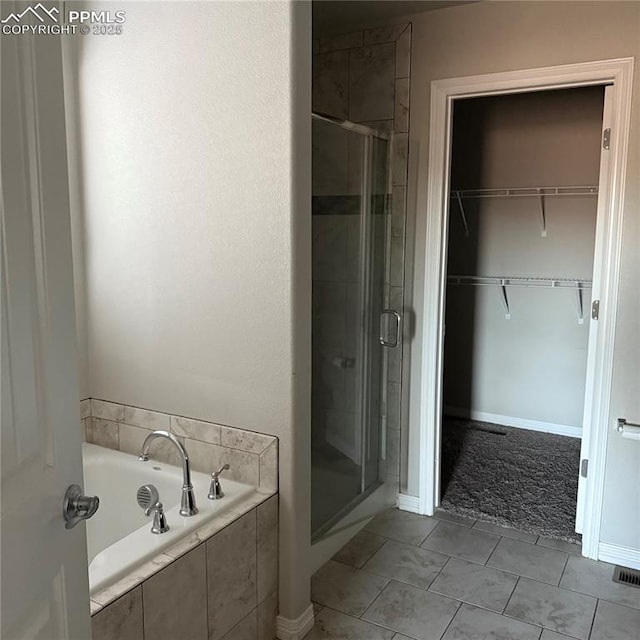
[119, 535]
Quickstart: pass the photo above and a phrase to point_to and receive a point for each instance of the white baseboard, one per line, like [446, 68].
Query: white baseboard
[510, 421]
[615, 554]
[408, 503]
[287, 629]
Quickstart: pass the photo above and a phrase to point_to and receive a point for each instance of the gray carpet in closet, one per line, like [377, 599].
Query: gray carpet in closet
[513, 477]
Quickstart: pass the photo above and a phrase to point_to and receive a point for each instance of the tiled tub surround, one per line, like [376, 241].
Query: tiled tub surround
[253, 457]
[223, 587]
[364, 76]
[119, 539]
[218, 582]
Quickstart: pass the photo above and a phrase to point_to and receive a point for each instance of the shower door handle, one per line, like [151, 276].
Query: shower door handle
[384, 334]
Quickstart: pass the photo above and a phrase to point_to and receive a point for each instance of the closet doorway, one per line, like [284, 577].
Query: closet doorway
[613, 78]
[521, 232]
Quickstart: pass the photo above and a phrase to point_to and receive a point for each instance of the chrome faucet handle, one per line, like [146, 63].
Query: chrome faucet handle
[160, 524]
[224, 467]
[148, 499]
[215, 489]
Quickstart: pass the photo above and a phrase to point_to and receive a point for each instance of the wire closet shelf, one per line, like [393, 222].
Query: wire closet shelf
[502, 282]
[520, 281]
[520, 192]
[523, 192]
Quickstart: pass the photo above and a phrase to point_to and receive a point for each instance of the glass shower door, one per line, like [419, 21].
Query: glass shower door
[376, 320]
[349, 222]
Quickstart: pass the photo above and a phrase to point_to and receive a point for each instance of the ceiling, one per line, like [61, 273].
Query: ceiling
[335, 16]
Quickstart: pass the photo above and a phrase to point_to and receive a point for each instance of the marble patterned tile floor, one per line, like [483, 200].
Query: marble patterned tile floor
[410, 577]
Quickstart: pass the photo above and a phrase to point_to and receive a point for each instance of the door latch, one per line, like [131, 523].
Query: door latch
[77, 507]
[584, 468]
[595, 309]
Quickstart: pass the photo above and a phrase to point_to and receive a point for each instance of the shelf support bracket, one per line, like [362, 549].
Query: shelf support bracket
[543, 217]
[504, 299]
[580, 303]
[462, 214]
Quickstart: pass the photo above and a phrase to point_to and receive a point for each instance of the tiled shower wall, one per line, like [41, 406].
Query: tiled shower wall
[364, 77]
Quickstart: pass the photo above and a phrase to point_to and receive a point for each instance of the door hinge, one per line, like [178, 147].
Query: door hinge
[595, 309]
[584, 468]
[606, 139]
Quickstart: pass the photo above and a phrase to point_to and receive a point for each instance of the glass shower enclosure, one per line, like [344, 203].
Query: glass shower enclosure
[349, 222]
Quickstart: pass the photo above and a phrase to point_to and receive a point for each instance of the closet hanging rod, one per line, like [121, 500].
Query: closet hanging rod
[524, 192]
[517, 281]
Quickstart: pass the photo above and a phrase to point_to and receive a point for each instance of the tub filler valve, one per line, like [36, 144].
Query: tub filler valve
[188, 498]
[149, 499]
[215, 490]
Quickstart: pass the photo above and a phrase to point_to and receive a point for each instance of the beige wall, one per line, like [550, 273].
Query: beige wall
[501, 36]
[533, 365]
[194, 149]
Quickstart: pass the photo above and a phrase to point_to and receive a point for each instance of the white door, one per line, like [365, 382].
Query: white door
[604, 180]
[44, 566]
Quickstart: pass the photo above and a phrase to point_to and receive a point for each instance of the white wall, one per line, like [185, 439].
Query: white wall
[500, 36]
[195, 158]
[533, 365]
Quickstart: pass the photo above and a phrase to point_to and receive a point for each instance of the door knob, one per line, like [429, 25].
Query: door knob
[77, 507]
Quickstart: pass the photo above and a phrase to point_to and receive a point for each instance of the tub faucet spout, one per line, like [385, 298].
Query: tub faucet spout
[188, 499]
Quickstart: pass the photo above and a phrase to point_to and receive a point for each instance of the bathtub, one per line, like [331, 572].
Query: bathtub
[119, 537]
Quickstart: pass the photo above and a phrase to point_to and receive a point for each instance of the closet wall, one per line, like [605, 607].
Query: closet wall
[528, 370]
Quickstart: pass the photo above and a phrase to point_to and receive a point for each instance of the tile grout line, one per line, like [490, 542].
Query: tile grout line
[591, 595]
[374, 624]
[142, 605]
[533, 624]
[436, 577]
[429, 534]
[495, 546]
[506, 606]
[206, 580]
[546, 584]
[593, 619]
[255, 509]
[389, 580]
[503, 535]
[402, 582]
[564, 568]
[453, 617]
[580, 593]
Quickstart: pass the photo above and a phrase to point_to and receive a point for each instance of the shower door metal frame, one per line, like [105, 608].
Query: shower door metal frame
[363, 385]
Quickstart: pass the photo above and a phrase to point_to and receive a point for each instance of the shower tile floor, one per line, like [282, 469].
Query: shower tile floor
[410, 577]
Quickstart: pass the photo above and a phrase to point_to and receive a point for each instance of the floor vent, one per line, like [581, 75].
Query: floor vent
[627, 576]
